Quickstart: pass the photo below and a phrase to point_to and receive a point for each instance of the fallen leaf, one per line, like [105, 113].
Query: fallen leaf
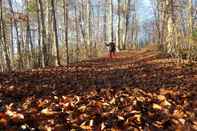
[157, 107]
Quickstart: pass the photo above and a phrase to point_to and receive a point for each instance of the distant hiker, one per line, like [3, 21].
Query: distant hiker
[112, 48]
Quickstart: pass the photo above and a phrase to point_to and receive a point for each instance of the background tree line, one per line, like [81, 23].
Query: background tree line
[41, 33]
[56, 32]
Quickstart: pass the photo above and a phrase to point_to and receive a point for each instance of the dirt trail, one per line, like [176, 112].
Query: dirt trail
[131, 82]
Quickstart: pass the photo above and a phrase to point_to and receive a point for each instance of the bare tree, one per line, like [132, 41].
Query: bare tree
[44, 44]
[88, 31]
[105, 21]
[190, 26]
[56, 33]
[3, 39]
[77, 33]
[40, 54]
[29, 37]
[127, 16]
[66, 12]
[20, 61]
[110, 17]
[119, 22]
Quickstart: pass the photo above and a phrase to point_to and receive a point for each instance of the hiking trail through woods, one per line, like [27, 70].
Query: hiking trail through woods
[136, 90]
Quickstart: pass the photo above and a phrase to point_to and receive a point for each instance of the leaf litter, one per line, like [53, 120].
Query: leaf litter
[137, 90]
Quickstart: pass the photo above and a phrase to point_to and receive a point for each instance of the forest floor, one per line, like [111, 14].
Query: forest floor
[137, 90]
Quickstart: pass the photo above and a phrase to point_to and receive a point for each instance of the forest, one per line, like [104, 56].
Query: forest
[98, 65]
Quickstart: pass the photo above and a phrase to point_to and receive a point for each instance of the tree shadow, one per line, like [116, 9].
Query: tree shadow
[77, 79]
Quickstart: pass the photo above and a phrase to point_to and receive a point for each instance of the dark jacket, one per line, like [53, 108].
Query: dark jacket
[112, 46]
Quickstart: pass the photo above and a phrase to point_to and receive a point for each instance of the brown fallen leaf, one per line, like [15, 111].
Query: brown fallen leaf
[48, 112]
[156, 107]
[178, 113]
[3, 122]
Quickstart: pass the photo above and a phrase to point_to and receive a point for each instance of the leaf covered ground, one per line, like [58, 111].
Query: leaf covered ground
[137, 90]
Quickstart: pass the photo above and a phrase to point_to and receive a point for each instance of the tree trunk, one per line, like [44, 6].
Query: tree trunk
[81, 18]
[12, 42]
[4, 40]
[190, 25]
[40, 54]
[56, 34]
[44, 45]
[20, 62]
[171, 38]
[29, 39]
[105, 21]
[89, 43]
[51, 47]
[77, 34]
[119, 20]
[128, 6]
[66, 12]
[111, 37]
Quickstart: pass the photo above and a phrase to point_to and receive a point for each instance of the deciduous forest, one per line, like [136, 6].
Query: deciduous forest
[98, 65]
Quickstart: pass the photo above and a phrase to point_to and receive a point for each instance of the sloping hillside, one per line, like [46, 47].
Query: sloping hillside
[134, 91]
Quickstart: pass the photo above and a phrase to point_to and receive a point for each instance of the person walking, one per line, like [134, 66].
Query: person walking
[112, 49]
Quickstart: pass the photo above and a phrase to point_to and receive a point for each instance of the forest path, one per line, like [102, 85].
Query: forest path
[138, 69]
[143, 76]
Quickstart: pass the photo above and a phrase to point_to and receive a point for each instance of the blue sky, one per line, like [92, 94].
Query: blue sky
[17, 4]
[144, 10]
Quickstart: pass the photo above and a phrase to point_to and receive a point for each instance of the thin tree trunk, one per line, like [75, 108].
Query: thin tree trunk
[105, 22]
[190, 25]
[40, 54]
[20, 62]
[12, 41]
[89, 43]
[77, 34]
[127, 23]
[51, 35]
[81, 17]
[56, 34]
[111, 37]
[44, 45]
[66, 12]
[29, 38]
[119, 20]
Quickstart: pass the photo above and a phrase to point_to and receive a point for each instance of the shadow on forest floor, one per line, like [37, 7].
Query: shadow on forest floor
[142, 69]
[134, 91]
